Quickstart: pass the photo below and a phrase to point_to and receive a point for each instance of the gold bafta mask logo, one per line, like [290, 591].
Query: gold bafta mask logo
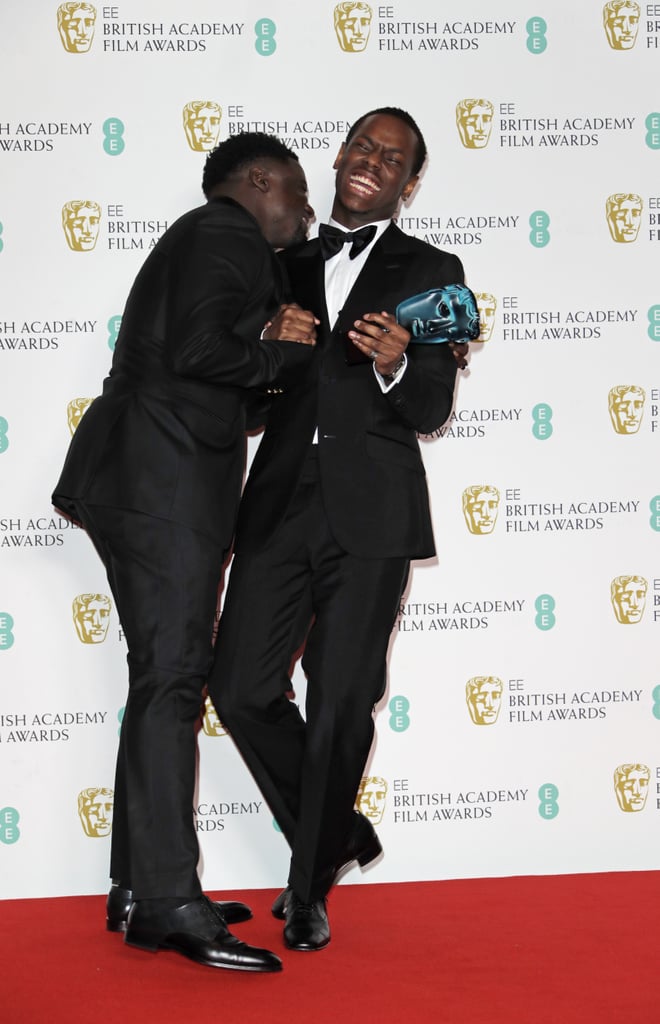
[624, 216]
[621, 21]
[81, 219]
[631, 785]
[626, 405]
[201, 123]
[628, 595]
[211, 724]
[371, 795]
[487, 306]
[91, 617]
[75, 411]
[474, 120]
[75, 24]
[484, 698]
[480, 507]
[95, 807]
[353, 26]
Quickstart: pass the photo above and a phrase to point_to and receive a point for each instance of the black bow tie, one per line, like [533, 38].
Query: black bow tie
[333, 239]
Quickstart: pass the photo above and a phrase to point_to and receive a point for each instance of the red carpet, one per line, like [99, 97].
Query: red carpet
[550, 950]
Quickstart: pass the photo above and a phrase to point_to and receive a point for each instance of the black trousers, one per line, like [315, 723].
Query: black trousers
[164, 578]
[308, 768]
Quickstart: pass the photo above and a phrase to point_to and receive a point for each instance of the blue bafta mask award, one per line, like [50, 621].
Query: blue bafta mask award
[440, 314]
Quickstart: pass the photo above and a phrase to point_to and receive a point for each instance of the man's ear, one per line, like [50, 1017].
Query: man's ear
[339, 156]
[258, 176]
[409, 188]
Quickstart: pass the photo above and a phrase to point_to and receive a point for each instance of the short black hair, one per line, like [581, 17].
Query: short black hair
[238, 150]
[403, 115]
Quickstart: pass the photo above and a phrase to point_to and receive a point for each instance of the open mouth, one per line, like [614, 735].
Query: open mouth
[364, 185]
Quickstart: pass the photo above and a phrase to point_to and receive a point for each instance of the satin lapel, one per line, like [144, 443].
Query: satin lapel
[307, 276]
[381, 277]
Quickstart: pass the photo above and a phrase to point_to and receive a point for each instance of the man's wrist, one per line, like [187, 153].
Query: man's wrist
[388, 378]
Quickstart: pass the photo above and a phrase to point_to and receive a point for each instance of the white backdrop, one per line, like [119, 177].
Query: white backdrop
[559, 116]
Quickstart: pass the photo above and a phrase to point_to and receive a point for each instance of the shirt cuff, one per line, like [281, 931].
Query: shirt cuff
[386, 386]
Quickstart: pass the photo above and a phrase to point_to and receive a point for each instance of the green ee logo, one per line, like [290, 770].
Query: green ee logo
[113, 141]
[542, 425]
[539, 235]
[654, 505]
[656, 702]
[6, 635]
[9, 830]
[4, 440]
[654, 323]
[545, 612]
[2, 244]
[536, 30]
[399, 708]
[653, 130]
[114, 323]
[265, 44]
[548, 808]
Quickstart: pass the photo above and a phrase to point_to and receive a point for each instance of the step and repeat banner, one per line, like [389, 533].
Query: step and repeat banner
[520, 733]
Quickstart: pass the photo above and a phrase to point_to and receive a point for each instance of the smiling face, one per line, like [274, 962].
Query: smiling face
[374, 171]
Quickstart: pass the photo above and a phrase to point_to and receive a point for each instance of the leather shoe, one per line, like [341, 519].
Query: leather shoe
[120, 901]
[307, 927]
[196, 930]
[363, 845]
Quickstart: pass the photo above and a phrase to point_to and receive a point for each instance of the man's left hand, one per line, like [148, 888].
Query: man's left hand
[380, 337]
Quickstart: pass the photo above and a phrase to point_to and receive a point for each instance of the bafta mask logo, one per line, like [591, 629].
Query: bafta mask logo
[91, 617]
[371, 795]
[474, 120]
[484, 698]
[211, 724]
[628, 595]
[81, 219]
[353, 26]
[487, 306]
[631, 785]
[624, 216]
[626, 405]
[480, 507]
[75, 23]
[621, 21]
[95, 807]
[201, 123]
[75, 411]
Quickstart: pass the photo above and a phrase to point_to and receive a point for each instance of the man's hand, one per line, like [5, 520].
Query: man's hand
[292, 323]
[381, 338]
[459, 350]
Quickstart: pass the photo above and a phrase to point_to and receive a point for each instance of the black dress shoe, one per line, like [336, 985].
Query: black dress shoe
[307, 927]
[196, 930]
[363, 845]
[120, 901]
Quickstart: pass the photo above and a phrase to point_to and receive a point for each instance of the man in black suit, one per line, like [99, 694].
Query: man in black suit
[335, 507]
[154, 473]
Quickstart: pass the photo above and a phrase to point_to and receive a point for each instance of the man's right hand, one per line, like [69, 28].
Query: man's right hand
[292, 323]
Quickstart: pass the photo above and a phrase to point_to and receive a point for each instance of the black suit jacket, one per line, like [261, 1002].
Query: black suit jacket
[166, 437]
[372, 474]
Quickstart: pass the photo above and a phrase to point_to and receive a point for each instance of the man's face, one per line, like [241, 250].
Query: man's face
[77, 29]
[353, 28]
[374, 171]
[625, 219]
[484, 701]
[631, 601]
[481, 510]
[621, 27]
[632, 789]
[627, 411]
[92, 621]
[202, 127]
[475, 124]
[82, 228]
[287, 212]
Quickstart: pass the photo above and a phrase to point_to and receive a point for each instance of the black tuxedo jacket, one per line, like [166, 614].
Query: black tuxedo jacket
[371, 469]
[166, 437]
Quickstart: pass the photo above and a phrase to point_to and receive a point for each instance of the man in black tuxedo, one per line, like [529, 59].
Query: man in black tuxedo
[154, 473]
[335, 507]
